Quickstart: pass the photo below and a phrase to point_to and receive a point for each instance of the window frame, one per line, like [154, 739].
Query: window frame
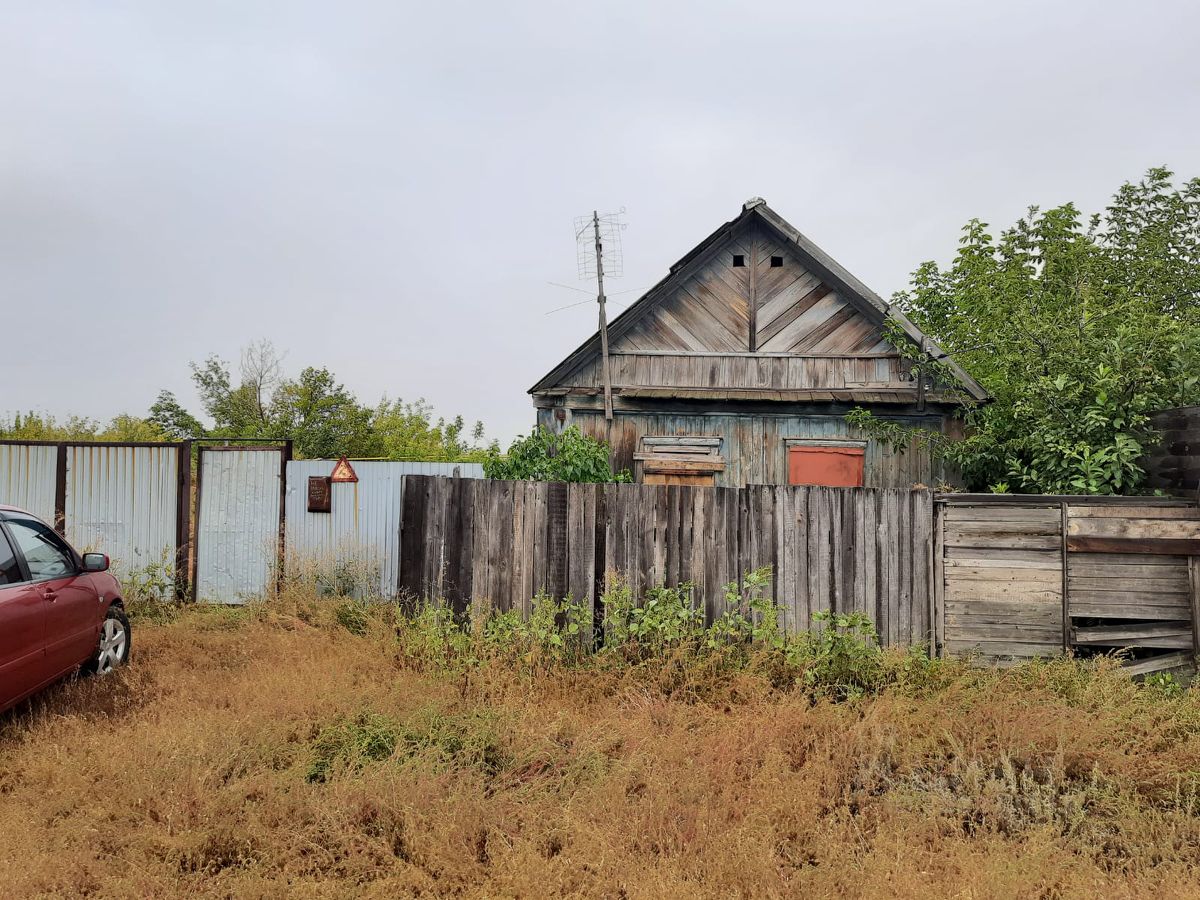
[18, 558]
[56, 540]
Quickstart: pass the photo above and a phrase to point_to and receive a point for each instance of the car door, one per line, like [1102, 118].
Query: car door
[72, 609]
[22, 629]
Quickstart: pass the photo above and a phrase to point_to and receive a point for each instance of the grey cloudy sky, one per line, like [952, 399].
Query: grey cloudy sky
[386, 188]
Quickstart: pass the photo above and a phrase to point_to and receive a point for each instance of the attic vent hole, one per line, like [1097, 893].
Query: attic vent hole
[776, 262]
[739, 261]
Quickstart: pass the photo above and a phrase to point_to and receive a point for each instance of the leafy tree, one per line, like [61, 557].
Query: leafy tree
[318, 413]
[245, 410]
[409, 431]
[545, 456]
[323, 417]
[34, 427]
[169, 416]
[1078, 332]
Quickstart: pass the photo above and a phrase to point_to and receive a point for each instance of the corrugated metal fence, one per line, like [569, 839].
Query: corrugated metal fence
[238, 522]
[356, 545]
[27, 477]
[124, 501]
[127, 500]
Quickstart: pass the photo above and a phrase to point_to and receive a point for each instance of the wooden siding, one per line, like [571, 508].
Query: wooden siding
[1025, 577]
[493, 545]
[754, 446]
[786, 297]
[747, 371]
[1002, 580]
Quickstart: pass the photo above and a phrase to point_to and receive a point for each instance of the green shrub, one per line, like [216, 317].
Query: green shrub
[545, 456]
[1163, 683]
[843, 659]
[352, 744]
[352, 615]
[430, 738]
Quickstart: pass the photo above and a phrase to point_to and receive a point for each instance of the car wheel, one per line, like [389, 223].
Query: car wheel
[112, 649]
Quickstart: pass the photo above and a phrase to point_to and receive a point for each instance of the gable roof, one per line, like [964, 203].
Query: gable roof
[813, 258]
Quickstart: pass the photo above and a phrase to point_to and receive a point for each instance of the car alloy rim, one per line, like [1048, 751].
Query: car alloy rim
[112, 646]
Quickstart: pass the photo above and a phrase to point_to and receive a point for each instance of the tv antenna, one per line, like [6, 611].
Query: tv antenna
[598, 252]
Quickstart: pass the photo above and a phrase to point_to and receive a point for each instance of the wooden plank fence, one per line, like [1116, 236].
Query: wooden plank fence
[1007, 577]
[1026, 576]
[498, 543]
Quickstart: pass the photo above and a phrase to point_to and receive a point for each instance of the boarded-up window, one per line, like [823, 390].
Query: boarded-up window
[826, 463]
[680, 459]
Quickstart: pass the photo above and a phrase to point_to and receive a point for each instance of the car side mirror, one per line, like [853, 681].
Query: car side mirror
[95, 562]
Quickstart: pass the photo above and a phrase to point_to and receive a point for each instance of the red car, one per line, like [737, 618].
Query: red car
[59, 611]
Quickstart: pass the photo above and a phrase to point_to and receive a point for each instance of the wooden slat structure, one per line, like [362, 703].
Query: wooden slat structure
[756, 337]
[1173, 464]
[998, 576]
[496, 544]
[1030, 576]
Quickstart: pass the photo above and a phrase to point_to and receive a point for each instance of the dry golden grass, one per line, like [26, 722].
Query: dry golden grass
[195, 773]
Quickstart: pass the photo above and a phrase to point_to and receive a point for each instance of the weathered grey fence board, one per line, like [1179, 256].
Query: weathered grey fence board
[1032, 576]
[497, 544]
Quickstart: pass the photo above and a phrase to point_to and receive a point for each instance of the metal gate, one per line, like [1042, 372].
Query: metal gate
[129, 500]
[239, 522]
[28, 476]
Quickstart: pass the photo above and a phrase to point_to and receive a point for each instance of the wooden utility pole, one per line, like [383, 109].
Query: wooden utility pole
[608, 406]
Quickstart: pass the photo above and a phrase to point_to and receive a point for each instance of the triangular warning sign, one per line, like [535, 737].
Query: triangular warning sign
[343, 471]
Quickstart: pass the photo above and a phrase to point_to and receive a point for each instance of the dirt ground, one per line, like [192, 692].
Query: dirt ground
[271, 754]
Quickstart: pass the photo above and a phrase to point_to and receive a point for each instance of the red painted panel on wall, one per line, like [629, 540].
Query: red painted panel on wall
[826, 466]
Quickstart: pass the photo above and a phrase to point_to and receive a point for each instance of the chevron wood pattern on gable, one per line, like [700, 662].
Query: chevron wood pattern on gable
[797, 313]
[708, 311]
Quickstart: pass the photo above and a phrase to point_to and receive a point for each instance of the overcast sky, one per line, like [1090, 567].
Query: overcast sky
[386, 188]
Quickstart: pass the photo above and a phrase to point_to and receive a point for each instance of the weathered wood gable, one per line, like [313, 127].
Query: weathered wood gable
[755, 307]
[708, 309]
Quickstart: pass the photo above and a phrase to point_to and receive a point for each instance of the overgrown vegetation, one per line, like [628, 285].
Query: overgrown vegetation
[544, 455]
[274, 750]
[1078, 331]
[664, 637]
[321, 416]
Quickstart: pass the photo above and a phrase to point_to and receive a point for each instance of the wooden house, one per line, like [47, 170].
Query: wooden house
[740, 365]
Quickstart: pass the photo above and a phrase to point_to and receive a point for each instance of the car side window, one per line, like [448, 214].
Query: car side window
[10, 572]
[44, 552]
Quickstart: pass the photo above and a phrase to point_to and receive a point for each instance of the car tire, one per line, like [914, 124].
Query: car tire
[112, 648]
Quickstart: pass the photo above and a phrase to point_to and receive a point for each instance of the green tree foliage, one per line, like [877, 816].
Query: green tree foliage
[321, 416]
[176, 423]
[35, 427]
[409, 431]
[1078, 332]
[316, 411]
[546, 456]
[243, 410]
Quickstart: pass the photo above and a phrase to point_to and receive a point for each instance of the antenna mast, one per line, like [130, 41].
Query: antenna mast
[592, 261]
[603, 318]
